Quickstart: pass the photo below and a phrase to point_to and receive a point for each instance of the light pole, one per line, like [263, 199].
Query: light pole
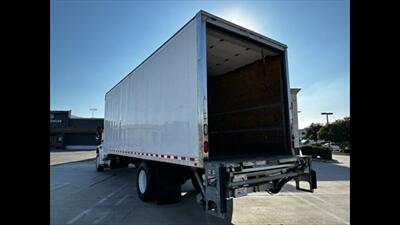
[298, 131]
[327, 122]
[327, 114]
[93, 110]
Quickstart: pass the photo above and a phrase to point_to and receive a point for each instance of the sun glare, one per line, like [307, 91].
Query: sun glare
[242, 18]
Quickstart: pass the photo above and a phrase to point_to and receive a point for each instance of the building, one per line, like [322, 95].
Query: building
[72, 132]
[295, 120]
[302, 134]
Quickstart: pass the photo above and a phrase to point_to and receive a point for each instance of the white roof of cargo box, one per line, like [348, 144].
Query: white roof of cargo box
[217, 21]
[242, 30]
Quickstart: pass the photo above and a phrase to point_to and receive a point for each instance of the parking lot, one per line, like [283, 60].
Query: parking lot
[80, 195]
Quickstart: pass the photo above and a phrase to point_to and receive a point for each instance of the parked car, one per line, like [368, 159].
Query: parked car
[307, 142]
[334, 147]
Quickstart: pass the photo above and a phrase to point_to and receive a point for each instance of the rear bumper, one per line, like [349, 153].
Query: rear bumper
[230, 179]
[271, 176]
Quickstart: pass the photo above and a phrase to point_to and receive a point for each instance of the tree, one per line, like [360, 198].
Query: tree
[312, 131]
[326, 132]
[338, 132]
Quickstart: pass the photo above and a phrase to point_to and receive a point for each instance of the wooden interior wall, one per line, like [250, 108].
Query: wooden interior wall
[245, 110]
[245, 87]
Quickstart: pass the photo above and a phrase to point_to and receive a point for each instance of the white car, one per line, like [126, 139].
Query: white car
[306, 142]
[332, 146]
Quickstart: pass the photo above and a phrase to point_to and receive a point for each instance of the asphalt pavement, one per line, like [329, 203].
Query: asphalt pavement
[79, 195]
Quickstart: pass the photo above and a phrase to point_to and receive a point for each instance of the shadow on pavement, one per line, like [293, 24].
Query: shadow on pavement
[331, 171]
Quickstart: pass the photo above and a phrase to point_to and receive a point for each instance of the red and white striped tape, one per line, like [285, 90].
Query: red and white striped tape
[156, 155]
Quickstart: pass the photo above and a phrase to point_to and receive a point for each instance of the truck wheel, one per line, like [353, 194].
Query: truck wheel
[99, 167]
[145, 182]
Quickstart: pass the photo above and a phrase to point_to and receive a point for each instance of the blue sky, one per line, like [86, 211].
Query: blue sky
[94, 44]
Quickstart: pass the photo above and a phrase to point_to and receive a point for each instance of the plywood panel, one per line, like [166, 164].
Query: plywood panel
[245, 110]
[260, 118]
[244, 143]
[254, 84]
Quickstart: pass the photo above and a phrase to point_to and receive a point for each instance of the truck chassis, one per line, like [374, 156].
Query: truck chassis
[219, 182]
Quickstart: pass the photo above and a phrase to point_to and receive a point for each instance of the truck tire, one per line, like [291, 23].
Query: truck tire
[99, 167]
[145, 182]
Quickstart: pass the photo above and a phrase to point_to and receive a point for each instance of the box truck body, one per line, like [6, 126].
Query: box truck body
[213, 98]
[160, 108]
[153, 112]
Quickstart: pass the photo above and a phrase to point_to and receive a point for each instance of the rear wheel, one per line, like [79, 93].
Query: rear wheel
[145, 182]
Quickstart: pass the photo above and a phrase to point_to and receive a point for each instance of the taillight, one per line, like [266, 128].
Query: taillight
[206, 146]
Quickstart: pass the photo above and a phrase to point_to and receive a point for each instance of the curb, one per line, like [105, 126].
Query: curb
[83, 160]
[341, 153]
[72, 150]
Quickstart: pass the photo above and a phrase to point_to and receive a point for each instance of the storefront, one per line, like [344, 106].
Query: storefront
[72, 132]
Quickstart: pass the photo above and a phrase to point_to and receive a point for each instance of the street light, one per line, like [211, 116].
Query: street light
[327, 114]
[299, 132]
[93, 110]
[327, 122]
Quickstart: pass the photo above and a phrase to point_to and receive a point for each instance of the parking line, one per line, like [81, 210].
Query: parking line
[316, 206]
[311, 195]
[100, 218]
[121, 200]
[77, 217]
[59, 186]
[109, 195]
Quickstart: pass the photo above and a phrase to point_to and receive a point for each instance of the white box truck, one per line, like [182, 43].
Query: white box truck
[212, 105]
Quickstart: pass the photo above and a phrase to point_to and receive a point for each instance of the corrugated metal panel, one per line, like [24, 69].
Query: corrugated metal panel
[154, 109]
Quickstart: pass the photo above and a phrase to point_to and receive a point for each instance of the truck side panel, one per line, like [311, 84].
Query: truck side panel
[153, 112]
